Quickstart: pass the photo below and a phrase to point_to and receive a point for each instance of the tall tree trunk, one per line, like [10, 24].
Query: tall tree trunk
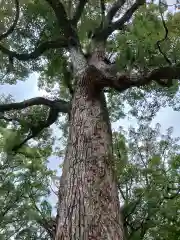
[88, 197]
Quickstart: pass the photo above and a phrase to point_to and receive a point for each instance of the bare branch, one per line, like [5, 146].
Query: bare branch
[12, 27]
[59, 43]
[61, 105]
[116, 6]
[79, 11]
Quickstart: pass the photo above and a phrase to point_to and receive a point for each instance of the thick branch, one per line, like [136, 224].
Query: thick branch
[61, 105]
[12, 27]
[79, 11]
[116, 6]
[55, 107]
[127, 16]
[163, 76]
[63, 21]
[119, 24]
[59, 43]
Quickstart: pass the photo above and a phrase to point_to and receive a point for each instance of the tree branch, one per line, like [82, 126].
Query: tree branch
[165, 36]
[79, 11]
[34, 130]
[116, 6]
[62, 18]
[56, 106]
[162, 75]
[12, 27]
[59, 43]
[61, 105]
[119, 24]
[103, 10]
[121, 192]
[128, 14]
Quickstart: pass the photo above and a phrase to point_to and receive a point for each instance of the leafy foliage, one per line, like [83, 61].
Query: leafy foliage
[149, 182]
[24, 190]
[136, 50]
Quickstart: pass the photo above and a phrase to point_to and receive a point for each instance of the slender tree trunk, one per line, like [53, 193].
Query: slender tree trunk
[88, 197]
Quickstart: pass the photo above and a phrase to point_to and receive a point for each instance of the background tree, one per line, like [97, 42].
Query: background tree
[70, 42]
[147, 167]
[148, 173]
[24, 186]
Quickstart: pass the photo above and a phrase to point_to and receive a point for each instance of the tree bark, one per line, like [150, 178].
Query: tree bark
[88, 195]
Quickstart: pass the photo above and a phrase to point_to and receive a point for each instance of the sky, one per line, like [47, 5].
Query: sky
[24, 90]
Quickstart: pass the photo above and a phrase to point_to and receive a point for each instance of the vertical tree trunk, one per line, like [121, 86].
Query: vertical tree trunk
[88, 199]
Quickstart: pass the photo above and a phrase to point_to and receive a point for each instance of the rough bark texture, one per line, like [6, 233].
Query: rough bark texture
[88, 199]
